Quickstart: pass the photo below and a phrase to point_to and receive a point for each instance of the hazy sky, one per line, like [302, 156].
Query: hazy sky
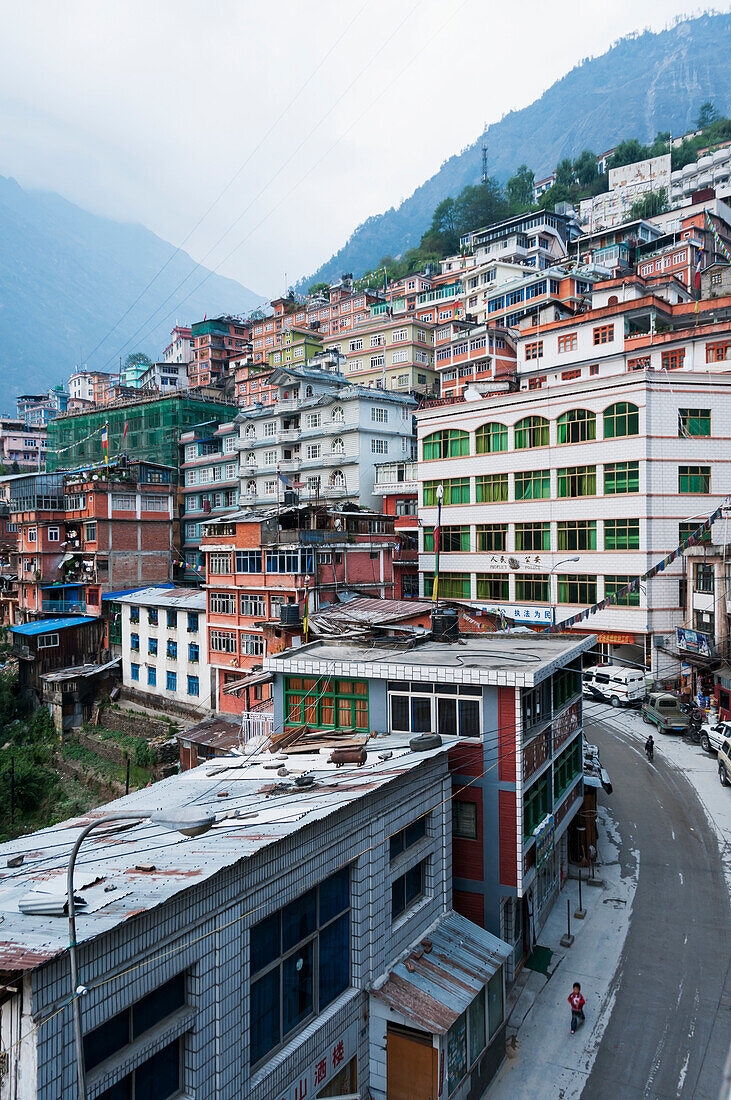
[143, 110]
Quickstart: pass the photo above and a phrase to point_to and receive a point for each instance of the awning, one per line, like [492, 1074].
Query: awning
[443, 974]
[53, 587]
[248, 681]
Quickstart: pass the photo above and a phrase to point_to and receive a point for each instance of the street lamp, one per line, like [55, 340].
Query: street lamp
[550, 572]
[189, 822]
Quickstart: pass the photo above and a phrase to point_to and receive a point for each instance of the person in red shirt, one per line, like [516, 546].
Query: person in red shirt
[577, 1003]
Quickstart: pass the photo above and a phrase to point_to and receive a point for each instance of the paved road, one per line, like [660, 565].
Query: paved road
[670, 1029]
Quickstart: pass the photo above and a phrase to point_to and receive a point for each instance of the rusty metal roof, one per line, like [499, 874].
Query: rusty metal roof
[443, 973]
[366, 611]
[219, 733]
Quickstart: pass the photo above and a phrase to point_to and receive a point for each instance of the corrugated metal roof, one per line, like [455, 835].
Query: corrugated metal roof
[219, 733]
[192, 599]
[443, 973]
[129, 591]
[46, 626]
[370, 612]
[79, 672]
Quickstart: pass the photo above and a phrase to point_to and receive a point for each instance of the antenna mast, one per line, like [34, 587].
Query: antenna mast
[484, 154]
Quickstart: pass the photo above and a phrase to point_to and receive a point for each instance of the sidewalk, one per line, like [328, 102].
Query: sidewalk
[550, 1062]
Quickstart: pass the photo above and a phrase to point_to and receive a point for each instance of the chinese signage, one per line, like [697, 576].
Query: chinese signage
[520, 614]
[544, 839]
[693, 642]
[331, 1060]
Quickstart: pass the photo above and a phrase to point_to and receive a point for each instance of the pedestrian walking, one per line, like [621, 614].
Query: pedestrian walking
[577, 1003]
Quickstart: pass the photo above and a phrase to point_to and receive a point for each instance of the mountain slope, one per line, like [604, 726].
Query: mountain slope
[643, 84]
[66, 277]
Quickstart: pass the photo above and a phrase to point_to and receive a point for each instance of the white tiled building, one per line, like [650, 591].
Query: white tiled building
[164, 655]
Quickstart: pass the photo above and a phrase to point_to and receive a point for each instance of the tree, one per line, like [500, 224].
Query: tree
[585, 169]
[628, 152]
[519, 189]
[480, 205]
[138, 358]
[650, 205]
[706, 115]
[317, 287]
[557, 193]
[564, 173]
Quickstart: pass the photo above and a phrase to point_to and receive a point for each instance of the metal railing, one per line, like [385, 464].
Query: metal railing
[256, 724]
[63, 607]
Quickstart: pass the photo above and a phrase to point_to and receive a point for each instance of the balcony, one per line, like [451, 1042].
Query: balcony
[288, 435]
[63, 607]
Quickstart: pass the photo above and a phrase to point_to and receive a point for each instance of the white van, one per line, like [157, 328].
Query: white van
[614, 684]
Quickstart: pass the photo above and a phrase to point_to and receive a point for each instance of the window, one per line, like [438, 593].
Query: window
[337, 415]
[694, 422]
[192, 622]
[685, 530]
[154, 504]
[406, 838]
[577, 481]
[532, 536]
[569, 376]
[152, 646]
[452, 586]
[223, 641]
[568, 342]
[532, 431]
[152, 616]
[566, 767]
[379, 416]
[134, 670]
[492, 536]
[453, 540]
[532, 588]
[535, 350]
[134, 614]
[464, 819]
[577, 534]
[718, 353]
[134, 642]
[123, 502]
[54, 534]
[329, 704]
[535, 383]
[614, 586]
[566, 684]
[604, 334]
[672, 360]
[694, 479]
[32, 534]
[313, 420]
[379, 446]
[704, 578]
[219, 564]
[621, 419]
[407, 889]
[491, 488]
[252, 645]
[575, 589]
[48, 641]
[194, 653]
[466, 1037]
[248, 561]
[536, 803]
[642, 362]
[450, 443]
[533, 485]
[194, 686]
[151, 675]
[172, 649]
[492, 586]
[456, 491]
[622, 534]
[594, 369]
[313, 450]
[378, 361]
[255, 606]
[299, 962]
[576, 426]
[490, 438]
[171, 681]
[125, 1027]
[621, 477]
[172, 617]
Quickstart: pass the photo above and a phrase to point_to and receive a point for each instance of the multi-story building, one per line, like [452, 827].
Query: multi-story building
[90, 385]
[146, 428]
[209, 482]
[615, 248]
[517, 772]
[627, 185]
[283, 954]
[467, 353]
[540, 238]
[164, 377]
[180, 348]
[537, 296]
[22, 447]
[389, 353]
[216, 341]
[444, 302]
[164, 649]
[36, 409]
[710, 170]
[251, 382]
[322, 438]
[554, 501]
[82, 534]
[541, 186]
[339, 310]
[261, 561]
[397, 484]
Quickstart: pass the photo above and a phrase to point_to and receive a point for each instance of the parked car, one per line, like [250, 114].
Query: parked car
[663, 709]
[724, 762]
[614, 684]
[713, 735]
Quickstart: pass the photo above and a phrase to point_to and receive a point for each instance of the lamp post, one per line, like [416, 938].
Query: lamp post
[550, 573]
[187, 821]
[437, 540]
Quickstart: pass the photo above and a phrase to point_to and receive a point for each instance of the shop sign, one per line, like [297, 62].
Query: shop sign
[330, 1061]
[693, 642]
[544, 840]
[529, 615]
[614, 638]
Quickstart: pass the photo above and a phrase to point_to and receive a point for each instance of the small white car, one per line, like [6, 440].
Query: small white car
[713, 735]
[724, 763]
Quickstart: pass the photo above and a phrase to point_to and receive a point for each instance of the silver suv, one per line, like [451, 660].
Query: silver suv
[713, 735]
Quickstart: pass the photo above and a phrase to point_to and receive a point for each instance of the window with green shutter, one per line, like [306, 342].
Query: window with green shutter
[450, 443]
[456, 491]
[492, 536]
[576, 426]
[492, 586]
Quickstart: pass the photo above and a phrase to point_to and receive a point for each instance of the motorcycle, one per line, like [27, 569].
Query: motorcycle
[697, 718]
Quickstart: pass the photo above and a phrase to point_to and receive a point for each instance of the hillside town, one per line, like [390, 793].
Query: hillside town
[336, 588]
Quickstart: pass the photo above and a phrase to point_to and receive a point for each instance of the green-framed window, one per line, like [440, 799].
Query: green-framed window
[694, 479]
[452, 586]
[566, 767]
[532, 536]
[533, 485]
[694, 422]
[566, 684]
[577, 481]
[621, 419]
[577, 534]
[449, 443]
[532, 588]
[452, 540]
[622, 534]
[492, 586]
[576, 426]
[621, 477]
[456, 491]
[615, 582]
[490, 438]
[326, 704]
[531, 431]
[536, 804]
[685, 530]
[576, 588]
[492, 536]
[491, 488]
